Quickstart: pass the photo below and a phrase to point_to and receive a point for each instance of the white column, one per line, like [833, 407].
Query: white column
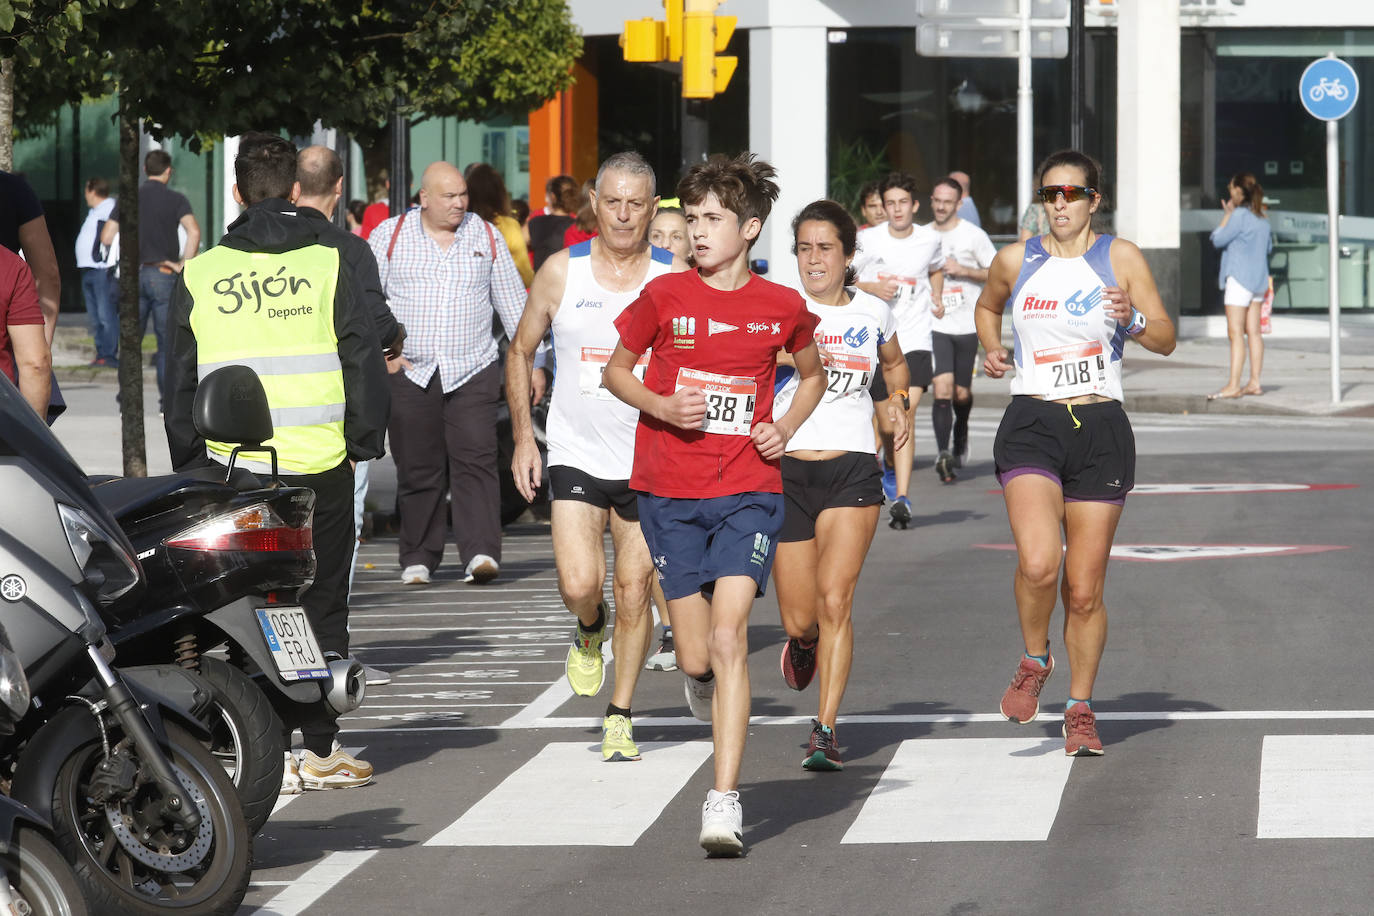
[229, 151]
[1147, 134]
[788, 123]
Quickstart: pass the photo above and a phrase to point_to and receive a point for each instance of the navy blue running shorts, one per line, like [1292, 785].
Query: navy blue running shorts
[694, 542]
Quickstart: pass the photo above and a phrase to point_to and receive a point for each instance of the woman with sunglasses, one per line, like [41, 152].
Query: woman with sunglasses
[831, 485]
[1064, 452]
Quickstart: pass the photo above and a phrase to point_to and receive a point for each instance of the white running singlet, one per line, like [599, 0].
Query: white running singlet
[851, 334]
[971, 247]
[909, 260]
[1065, 344]
[589, 428]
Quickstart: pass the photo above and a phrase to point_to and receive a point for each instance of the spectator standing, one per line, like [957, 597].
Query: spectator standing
[968, 210]
[489, 199]
[24, 230]
[1245, 241]
[380, 208]
[546, 229]
[160, 256]
[583, 225]
[444, 270]
[94, 261]
[318, 357]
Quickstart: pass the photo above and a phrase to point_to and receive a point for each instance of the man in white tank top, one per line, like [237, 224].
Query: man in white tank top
[578, 292]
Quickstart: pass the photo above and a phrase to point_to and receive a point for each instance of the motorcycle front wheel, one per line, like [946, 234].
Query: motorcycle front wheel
[129, 862]
[40, 879]
[246, 736]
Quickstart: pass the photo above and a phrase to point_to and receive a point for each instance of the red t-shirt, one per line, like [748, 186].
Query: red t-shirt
[725, 343]
[374, 215]
[18, 305]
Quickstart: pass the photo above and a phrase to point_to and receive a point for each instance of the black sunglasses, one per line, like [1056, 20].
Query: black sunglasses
[1071, 192]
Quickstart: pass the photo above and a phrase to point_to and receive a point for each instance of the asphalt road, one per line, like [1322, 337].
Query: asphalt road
[1236, 701]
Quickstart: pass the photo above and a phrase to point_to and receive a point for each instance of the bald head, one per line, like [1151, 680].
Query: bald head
[443, 197]
[318, 169]
[962, 178]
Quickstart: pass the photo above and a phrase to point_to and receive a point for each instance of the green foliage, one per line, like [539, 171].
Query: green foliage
[201, 69]
[852, 165]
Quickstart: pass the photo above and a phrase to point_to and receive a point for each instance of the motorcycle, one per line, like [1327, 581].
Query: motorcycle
[36, 879]
[111, 757]
[224, 557]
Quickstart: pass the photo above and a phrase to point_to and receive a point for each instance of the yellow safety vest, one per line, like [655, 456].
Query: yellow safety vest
[274, 313]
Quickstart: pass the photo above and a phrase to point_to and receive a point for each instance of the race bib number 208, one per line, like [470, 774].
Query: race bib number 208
[730, 400]
[1070, 370]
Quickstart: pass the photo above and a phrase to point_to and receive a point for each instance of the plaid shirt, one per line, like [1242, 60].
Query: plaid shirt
[445, 298]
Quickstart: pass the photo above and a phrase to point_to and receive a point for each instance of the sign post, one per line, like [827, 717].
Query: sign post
[1328, 89]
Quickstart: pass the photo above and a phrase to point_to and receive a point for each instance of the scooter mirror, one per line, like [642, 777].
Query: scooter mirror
[231, 406]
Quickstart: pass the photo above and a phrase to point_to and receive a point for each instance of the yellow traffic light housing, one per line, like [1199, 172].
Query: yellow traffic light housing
[704, 75]
[644, 40]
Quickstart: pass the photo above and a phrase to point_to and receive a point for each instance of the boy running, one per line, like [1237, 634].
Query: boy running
[707, 448]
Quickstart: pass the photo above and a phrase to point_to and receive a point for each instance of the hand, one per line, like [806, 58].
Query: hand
[770, 439]
[953, 268]
[1116, 304]
[174, 266]
[539, 383]
[526, 468]
[937, 307]
[897, 421]
[887, 286]
[827, 358]
[684, 408]
[996, 365]
[1228, 205]
[396, 364]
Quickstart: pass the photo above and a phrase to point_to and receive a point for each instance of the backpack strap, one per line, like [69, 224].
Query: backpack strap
[396, 234]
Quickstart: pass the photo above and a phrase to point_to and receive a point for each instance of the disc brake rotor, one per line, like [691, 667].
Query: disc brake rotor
[160, 857]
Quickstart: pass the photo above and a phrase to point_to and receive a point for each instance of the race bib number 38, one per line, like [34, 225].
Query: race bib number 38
[730, 400]
[1070, 370]
[593, 363]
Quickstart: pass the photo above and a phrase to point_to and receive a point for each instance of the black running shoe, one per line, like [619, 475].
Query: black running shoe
[798, 663]
[944, 466]
[821, 752]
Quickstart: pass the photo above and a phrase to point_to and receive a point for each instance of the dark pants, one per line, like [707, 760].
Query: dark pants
[154, 297]
[326, 599]
[437, 436]
[102, 309]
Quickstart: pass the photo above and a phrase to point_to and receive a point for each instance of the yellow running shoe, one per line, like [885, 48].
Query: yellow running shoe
[618, 739]
[586, 670]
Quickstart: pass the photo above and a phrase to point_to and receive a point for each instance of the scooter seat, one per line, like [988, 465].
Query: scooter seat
[124, 496]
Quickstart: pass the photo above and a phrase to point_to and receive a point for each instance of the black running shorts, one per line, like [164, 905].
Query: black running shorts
[955, 353]
[570, 483]
[808, 487]
[1088, 448]
[917, 363]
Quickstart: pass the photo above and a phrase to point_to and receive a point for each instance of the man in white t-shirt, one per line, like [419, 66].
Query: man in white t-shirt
[97, 274]
[967, 252]
[899, 262]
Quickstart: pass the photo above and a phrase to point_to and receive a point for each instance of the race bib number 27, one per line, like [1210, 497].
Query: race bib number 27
[730, 400]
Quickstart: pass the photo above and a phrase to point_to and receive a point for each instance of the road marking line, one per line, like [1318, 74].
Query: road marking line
[566, 795]
[1316, 786]
[558, 693]
[316, 882]
[941, 790]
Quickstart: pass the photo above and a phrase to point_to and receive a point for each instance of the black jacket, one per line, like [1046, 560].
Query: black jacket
[272, 226]
[357, 256]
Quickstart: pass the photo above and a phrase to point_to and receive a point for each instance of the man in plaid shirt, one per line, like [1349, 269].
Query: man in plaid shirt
[445, 271]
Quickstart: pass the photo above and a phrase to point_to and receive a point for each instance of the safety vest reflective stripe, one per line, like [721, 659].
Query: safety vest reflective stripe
[274, 312]
[281, 365]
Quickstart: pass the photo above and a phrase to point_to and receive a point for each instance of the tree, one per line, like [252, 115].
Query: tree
[202, 70]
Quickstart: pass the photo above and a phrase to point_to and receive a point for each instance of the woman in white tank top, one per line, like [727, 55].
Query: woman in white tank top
[1065, 452]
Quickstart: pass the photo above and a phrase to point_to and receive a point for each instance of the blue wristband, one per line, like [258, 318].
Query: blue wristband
[1137, 325]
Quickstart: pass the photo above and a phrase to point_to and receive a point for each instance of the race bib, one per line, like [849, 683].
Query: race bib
[952, 298]
[592, 364]
[1070, 370]
[906, 286]
[847, 372]
[730, 400]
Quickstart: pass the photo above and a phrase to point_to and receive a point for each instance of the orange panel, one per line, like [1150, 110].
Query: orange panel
[546, 147]
[584, 156]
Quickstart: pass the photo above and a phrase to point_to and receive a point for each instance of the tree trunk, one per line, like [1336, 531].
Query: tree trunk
[7, 114]
[130, 328]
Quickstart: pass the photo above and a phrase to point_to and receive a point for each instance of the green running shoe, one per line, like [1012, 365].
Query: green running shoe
[586, 670]
[618, 739]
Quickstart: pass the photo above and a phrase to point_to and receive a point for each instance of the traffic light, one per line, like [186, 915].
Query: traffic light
[644, 40]
[704, 35]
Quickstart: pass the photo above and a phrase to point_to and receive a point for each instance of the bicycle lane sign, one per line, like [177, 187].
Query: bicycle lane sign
[1329, 88]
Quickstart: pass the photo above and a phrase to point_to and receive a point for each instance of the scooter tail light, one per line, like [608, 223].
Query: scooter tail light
[254, 528]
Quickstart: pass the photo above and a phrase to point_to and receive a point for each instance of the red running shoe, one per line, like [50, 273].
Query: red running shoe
[1021, 702]
[821, 752]
[798, 663]
[1080, 732]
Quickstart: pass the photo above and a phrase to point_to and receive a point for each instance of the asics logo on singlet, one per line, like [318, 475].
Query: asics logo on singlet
[1080, 304]
[856, 337]
[588, 304]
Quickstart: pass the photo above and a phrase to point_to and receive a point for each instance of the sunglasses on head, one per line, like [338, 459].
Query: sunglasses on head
[1071, 192]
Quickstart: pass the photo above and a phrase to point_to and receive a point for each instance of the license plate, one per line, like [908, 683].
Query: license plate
[292, 641]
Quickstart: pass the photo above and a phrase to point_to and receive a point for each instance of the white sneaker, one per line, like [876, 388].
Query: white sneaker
[376, 677]
[481, 569]
[699, 696]
[291, 783]
[722, 824]
[665, 659]
[415, 575]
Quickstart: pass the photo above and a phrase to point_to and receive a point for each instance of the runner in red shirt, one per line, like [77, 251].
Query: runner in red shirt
[707, 448]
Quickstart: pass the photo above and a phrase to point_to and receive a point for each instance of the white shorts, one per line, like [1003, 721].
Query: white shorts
[1237, 295]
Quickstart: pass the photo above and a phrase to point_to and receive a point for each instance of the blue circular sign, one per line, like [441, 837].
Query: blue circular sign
[1329, 88]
